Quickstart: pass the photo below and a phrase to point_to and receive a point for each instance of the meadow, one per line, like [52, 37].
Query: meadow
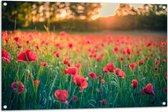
[47, 70]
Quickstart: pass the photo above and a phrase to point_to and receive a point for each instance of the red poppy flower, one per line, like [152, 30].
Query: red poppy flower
[129, 50]
[100, 77]
[17, 87]
[157, 62]
[148, 89]
[66, 62]
[44, 64]
[110, 67]
[92, 75]
[98, 59]
[148, 44]
[104, 102]
[73, 71]
[36, 83]
[105, 70]
[5, 56]
[62, 96]
[134, 83]
[27, 55]
[27, 41]
[75, 98]
[19, 46]
[121, 59]
[164, 60]
[132, 66]
[140, 62]
[119, 72]
[57, 54]
[36, 46]
[116, 49]
[17, 39]
[70, 45]
[78, 65]
[123, 51]
[102, 81]
[81, 82]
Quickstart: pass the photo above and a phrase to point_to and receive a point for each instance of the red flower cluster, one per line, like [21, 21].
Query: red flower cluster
[62, 96]
[26, 56]
[119, 72]
[104, 102]
[5, 56]
[116, 49]
[109, 68]
[132, 66]
[140, 62]
[148, 89]
[66, 62]
[81, 82]
[92, 75]
[57, 54]
[78, 65]
[134, 83]
[17, 39]
[73, 71]
[44, 64]
[17, 87]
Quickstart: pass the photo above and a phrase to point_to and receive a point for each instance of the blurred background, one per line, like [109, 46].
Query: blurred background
[58, 16]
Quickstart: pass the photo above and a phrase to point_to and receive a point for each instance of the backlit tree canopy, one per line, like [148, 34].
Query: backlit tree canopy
[146, 9]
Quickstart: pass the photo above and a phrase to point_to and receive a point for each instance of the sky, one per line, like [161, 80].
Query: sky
[108, 9]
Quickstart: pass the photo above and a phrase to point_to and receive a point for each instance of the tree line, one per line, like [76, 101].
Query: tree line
[78, 16]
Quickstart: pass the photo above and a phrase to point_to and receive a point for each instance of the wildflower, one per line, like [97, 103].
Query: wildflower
[73, 71]
[132, 66]
[75, 99]
[105, 70]
[44, 64]
[119, 72]
[148, 89]
[66, 62]
[110, 67]
[116, 49]
[27, 55]
[62, 96]
[78, 65]
[104, 102]
[17, 87]
[5, 56]
[81, 82]
[140, 62]
[57, 54]
[36, 83]
[17, 39]
[92, 75]
[134, 83]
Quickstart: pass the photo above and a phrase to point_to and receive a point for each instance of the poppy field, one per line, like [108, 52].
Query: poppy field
[47, 70]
